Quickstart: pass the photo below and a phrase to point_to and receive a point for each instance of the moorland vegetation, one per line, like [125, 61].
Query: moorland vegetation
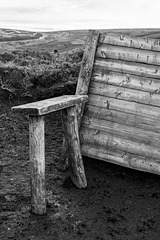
[33, 75]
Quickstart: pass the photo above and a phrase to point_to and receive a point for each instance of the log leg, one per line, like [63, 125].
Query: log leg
[74, 153]
[37, 164]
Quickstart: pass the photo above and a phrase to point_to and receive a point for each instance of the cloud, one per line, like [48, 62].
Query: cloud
[79, 14]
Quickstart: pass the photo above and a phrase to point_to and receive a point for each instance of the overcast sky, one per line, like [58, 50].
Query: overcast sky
[47, 15]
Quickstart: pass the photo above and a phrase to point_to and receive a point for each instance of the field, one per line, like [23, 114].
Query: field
[118, 204]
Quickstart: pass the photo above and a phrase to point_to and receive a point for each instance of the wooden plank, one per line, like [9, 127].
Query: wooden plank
[74, 153]
[87, 63]
[124, 106]
[134, 68]
[117, 129]
[127, 54]
[122, 158]
[152, 124]
[102, 75]
[124, 93]
[50, 105]
[86, 69]
[112, 142]
[135, 32]
[130, 41]
[37, 164]
[83, 82]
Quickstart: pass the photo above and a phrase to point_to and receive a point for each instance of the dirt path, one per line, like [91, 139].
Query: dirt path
[118, 204]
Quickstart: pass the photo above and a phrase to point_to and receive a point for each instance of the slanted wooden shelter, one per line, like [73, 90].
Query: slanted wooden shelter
[114, 115]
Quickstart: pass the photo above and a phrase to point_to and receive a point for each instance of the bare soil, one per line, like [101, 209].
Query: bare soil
[118, 204]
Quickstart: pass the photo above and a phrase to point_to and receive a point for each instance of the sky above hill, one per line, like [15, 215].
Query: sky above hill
[44, 15]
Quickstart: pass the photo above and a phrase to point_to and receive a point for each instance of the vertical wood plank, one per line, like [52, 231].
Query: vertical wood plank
[37, 164]
[83, 83]
[86, 69]
[74, 153]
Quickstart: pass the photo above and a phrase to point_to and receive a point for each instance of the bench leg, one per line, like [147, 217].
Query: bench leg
[74, 153]
[37, 164]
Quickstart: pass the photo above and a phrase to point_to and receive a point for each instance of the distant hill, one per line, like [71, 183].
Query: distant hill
[59, 40]
[24, 40]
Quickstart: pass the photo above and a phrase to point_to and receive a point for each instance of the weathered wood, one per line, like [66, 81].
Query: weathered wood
[150, 85]
[37, 164]
[87, 63]
[117, 129]
[146, 123]
[135, 32]
[110, 141]
[125, 159]
[139, 69]
[117, 92]
[50, 105]
[74, 153]
[86, 69]
[83, 81]
[124, 106]
[130, 41]
[127, 54]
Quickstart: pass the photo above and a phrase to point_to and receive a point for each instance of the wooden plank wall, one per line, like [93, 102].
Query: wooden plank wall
[121, 122]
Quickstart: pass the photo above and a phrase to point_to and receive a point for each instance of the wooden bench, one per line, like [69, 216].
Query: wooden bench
[120, 123]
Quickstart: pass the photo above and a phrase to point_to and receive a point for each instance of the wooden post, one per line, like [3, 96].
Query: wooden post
[83, 83]
[37, 164]
[74, 153]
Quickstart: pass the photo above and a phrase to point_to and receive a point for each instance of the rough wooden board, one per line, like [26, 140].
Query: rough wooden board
[125, 131]
[127, 54]
[83, 81]
[132, 95]
[110, 141]
[86, 69]
[124, 106]
[151, 85]
[130, 41]
[50, 105]
[87, 63]
[125, 159]
[151, 124]
[134, 68]
[74, 153]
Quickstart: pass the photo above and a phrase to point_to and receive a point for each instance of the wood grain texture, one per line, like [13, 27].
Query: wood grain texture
[125, 159]
[146, 123]
[124, 106]
[73, 146]
[37, 164]
[125, 131]
[134, 68]
[87, 63]
[127, 54]
[117, 92]
[150, 85]
[86, 69]
[153, 33]
[50, 105]
[113, 142]
[83, 82]
[121, 39]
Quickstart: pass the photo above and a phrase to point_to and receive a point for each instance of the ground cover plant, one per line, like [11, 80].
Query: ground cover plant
[36, 75]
